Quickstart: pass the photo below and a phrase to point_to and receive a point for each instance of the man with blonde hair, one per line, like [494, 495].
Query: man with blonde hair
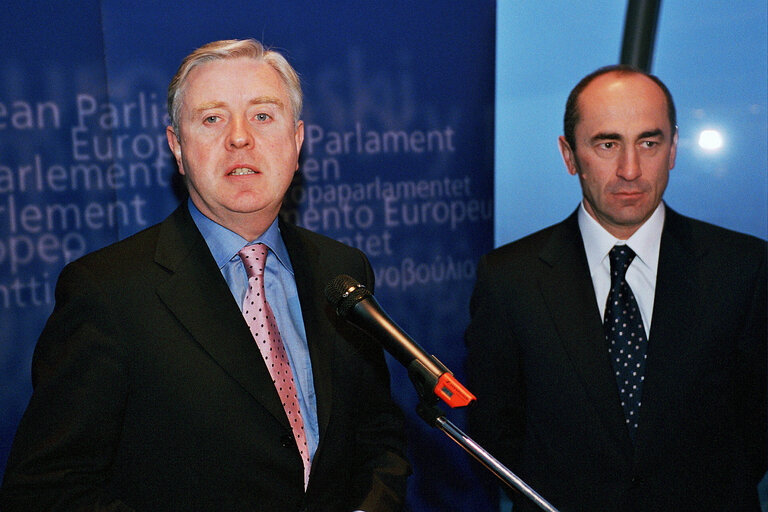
[196, 365]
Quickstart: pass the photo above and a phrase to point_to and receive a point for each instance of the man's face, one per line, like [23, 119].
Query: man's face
[624, 150]
[238, 146]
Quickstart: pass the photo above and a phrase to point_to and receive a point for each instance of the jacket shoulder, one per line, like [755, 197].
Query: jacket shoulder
[528, 248]
[704, 237]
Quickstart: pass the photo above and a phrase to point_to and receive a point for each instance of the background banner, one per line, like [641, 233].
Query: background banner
[397, 160]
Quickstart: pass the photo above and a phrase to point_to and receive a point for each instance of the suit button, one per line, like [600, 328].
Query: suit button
[287, 440]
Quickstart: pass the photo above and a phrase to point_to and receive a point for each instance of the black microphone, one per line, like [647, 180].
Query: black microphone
[356, 304]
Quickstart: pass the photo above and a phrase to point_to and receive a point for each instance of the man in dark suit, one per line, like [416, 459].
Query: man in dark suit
[667, 413]
[150, 392]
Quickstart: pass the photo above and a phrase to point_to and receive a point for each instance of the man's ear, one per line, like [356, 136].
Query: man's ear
[569, 156]
[673, 151]
[299, 139]
[175, 144]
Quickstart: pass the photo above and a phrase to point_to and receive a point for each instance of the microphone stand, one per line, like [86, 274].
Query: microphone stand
[429, 376]
[435, 417]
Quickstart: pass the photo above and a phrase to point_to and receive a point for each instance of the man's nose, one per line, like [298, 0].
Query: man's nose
[629, 164]
[240, 135]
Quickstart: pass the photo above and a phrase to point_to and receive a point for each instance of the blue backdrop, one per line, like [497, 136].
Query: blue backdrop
[397, 160]
[712, 56]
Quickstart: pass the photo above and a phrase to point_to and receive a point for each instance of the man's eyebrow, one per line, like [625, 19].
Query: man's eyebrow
[615, 136]
[260, 100]
[606, 136]
[207, 106]
[651, 133]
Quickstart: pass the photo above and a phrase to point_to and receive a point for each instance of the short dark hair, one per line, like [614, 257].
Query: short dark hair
[571, 118]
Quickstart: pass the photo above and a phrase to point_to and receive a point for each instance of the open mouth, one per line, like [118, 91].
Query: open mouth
[241, 171]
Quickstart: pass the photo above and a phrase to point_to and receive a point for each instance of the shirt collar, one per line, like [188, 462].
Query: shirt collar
[224, 244]
[645, 242]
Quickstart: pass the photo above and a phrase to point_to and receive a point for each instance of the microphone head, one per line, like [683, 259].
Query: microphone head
[343, 292]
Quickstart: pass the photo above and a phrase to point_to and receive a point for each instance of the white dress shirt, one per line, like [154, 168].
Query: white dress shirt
[641, 275]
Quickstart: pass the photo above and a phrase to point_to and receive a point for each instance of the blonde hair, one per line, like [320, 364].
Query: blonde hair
[231, 49]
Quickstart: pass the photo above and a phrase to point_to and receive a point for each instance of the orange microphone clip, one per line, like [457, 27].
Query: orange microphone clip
[452, 392]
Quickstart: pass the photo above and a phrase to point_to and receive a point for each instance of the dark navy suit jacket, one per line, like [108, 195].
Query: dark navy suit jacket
[150, 394]
[547, 401]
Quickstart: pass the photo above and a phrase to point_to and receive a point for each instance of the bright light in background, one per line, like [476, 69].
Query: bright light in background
[710, 140]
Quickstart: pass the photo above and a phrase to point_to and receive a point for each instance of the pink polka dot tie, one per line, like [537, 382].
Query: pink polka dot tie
[259, 317]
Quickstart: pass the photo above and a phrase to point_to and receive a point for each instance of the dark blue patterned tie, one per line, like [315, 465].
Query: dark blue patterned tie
[625, 335]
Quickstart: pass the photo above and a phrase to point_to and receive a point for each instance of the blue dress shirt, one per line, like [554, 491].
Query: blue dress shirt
[283, 298]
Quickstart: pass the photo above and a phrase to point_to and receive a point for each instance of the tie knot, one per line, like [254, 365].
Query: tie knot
[254, 258]
[621, 257]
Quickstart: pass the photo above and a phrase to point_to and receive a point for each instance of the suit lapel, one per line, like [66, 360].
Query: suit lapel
[307, 268]
[569, 294]
[671, 344]
[197, 294]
